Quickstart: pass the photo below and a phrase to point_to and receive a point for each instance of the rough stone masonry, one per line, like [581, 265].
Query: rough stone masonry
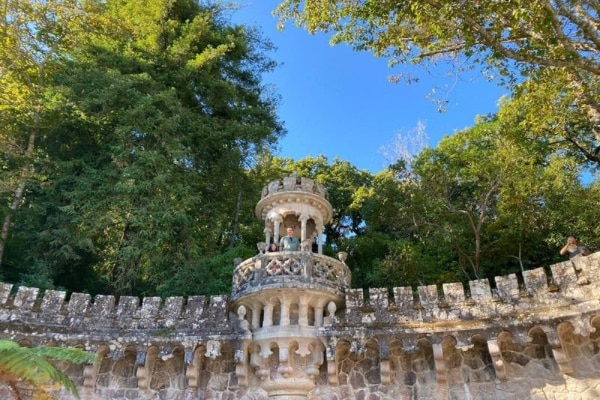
[292, 328]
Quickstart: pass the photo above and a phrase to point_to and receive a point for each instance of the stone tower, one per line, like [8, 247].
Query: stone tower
[283, 298]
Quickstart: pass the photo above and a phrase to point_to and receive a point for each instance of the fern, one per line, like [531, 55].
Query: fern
[32, 366]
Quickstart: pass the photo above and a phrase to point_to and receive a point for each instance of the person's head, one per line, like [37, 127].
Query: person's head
[273, 246]
[571, 239]
[290, 231]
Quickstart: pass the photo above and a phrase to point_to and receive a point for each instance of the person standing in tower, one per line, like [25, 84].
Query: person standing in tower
[289, 242]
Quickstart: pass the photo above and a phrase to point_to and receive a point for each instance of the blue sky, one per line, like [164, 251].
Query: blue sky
[340, 103]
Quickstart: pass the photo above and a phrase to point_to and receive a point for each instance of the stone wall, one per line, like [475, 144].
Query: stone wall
[534, 336]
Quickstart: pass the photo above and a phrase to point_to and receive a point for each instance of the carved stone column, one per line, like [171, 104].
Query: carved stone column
[498, 361]
[320, 230]
[303, 220]
[268, 315]
[276, 227]
[440, 364]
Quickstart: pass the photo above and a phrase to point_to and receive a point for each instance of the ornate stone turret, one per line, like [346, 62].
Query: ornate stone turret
[283, 298]
[294, 202]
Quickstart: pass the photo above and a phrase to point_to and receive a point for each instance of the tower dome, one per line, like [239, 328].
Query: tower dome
[294, 202]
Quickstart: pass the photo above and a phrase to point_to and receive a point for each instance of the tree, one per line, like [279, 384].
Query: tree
[163, 110]
[547, 43]
[33, 34]
[32, 367]
[491, 196]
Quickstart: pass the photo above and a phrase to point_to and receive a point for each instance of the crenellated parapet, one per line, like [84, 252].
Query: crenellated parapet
[102, 315]
[425, 339]
[571, 288]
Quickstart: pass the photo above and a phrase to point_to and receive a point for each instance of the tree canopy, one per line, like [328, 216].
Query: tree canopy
[159, 112]
[540, 49]
[136, 138]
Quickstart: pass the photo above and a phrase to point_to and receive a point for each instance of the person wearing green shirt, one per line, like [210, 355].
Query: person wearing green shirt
[289, 242]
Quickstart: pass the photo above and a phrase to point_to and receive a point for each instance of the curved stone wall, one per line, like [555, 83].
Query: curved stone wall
[535, 336]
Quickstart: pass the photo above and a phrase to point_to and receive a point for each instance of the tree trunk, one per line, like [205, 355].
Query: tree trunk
[19, 194]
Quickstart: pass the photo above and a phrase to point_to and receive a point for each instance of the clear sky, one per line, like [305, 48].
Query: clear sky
[340, 103]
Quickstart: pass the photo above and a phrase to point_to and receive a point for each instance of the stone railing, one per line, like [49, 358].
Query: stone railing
[290, 269]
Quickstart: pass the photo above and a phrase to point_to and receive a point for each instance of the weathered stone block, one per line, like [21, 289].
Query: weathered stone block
[128, 306]
[103, 306]
[53, 301]
[564, 275]
[5, 289]
[480, 290]
[428, 295]
[454, 292]
[536, 281]
[172, 308]
[195, 306]
[508, 286]
[150, 307]
[354, 299]
[403, 296]
[78, 304]
[378, 298]
[25, 298]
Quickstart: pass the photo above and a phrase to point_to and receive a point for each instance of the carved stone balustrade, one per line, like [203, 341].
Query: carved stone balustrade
[290, 269]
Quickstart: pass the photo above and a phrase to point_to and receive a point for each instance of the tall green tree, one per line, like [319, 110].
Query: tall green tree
[33, 35]
[165, 110]
[487, 197]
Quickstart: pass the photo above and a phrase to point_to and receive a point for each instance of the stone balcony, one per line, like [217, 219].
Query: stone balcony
[291, 270]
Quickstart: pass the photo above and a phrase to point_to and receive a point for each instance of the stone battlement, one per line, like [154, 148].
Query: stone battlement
[569, 284]
[107, 313]
[505, 339]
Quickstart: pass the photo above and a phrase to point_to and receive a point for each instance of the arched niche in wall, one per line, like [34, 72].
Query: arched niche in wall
[579, 349]
[358, 364]
[168, 371]
[196, 370]
[595, 344]
[219, 366]
[104, 366]
[452, 361]
[477, 361]
[423, 362]
[123, 371]
[533, 357]
[539, 349]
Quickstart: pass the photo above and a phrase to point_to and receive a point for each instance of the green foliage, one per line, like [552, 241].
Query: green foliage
[206, 276]
[33, 367]
[136, 138]
[546, 52]
[162, 109]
